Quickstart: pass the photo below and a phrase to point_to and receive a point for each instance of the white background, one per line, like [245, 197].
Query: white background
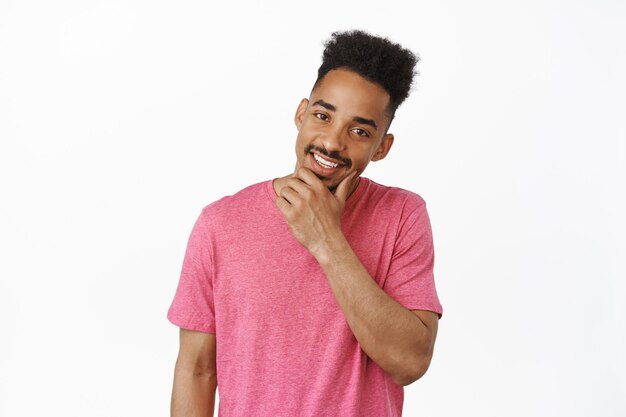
[120, 120]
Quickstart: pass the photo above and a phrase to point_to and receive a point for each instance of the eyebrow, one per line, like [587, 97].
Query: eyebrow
[325, 105]
[357, 119]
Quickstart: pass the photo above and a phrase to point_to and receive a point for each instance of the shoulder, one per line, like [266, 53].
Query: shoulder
[405, 209]
[394, 198]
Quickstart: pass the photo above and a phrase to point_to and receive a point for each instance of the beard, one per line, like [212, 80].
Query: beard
[335, 155]
[332, 187]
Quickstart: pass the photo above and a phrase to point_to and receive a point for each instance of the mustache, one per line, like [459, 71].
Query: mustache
[334, 155]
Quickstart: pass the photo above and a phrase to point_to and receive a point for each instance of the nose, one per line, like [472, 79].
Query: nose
[333, 139]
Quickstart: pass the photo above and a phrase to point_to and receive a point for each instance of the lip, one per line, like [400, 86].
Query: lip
[328, 159]
[322, 170]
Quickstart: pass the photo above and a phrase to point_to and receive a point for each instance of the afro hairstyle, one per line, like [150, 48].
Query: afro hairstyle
[374, 58]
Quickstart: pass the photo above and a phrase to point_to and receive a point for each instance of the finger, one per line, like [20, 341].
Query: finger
[297, 184]
[309, 178]
[341, 192]
[289, 194]
[283, 205]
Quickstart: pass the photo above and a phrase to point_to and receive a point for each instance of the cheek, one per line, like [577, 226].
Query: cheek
[360, 163]
[363, 157]
[300, 147]
[299, 141]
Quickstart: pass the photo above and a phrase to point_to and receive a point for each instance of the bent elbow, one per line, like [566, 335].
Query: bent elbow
[414, 373]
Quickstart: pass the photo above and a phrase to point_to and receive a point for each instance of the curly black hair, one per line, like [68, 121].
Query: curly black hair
[375, 58]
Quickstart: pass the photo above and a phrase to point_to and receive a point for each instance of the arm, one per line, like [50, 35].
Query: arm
[195, 376]
[399, 340]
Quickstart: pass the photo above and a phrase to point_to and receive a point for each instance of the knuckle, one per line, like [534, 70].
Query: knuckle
[298, 203]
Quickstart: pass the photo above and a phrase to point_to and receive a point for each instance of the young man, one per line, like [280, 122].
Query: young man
[313, 294]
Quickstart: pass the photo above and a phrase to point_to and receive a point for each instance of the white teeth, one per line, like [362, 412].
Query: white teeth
[324, 162]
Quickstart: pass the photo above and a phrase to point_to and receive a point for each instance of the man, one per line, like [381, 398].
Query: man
[313, 294]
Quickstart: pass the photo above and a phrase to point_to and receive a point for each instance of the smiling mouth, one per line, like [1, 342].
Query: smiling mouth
[326, 169]
[325, 159]
[325, 162]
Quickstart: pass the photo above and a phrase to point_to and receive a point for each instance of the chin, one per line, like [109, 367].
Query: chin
[332, 186]
[327, 182]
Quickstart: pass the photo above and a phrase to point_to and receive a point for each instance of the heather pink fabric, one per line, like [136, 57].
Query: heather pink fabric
[284, 347]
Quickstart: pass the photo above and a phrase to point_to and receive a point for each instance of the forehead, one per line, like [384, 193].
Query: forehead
[352, 94]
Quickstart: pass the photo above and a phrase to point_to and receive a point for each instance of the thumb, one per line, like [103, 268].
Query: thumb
[341, 193]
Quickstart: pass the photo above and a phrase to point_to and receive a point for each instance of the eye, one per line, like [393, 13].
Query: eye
[321, 116]
[360, 132]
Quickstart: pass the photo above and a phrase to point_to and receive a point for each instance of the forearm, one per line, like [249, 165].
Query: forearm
[391, 335]
[193, 394]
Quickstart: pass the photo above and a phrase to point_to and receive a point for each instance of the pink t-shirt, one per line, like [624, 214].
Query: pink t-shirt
[284, 347]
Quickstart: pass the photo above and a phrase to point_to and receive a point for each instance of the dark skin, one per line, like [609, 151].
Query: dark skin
[312, 200]
[344, 122]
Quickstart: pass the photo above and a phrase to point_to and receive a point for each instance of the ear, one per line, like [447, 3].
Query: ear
[300, 112]
[384, 147]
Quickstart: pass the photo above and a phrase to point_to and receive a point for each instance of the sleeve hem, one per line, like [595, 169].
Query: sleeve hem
[428, 307]
[191, 325]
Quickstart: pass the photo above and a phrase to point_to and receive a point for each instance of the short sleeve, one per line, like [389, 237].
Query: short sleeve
[410, 280]
[192, 307]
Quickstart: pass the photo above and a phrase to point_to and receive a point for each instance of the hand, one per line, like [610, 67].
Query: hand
[312, 212]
